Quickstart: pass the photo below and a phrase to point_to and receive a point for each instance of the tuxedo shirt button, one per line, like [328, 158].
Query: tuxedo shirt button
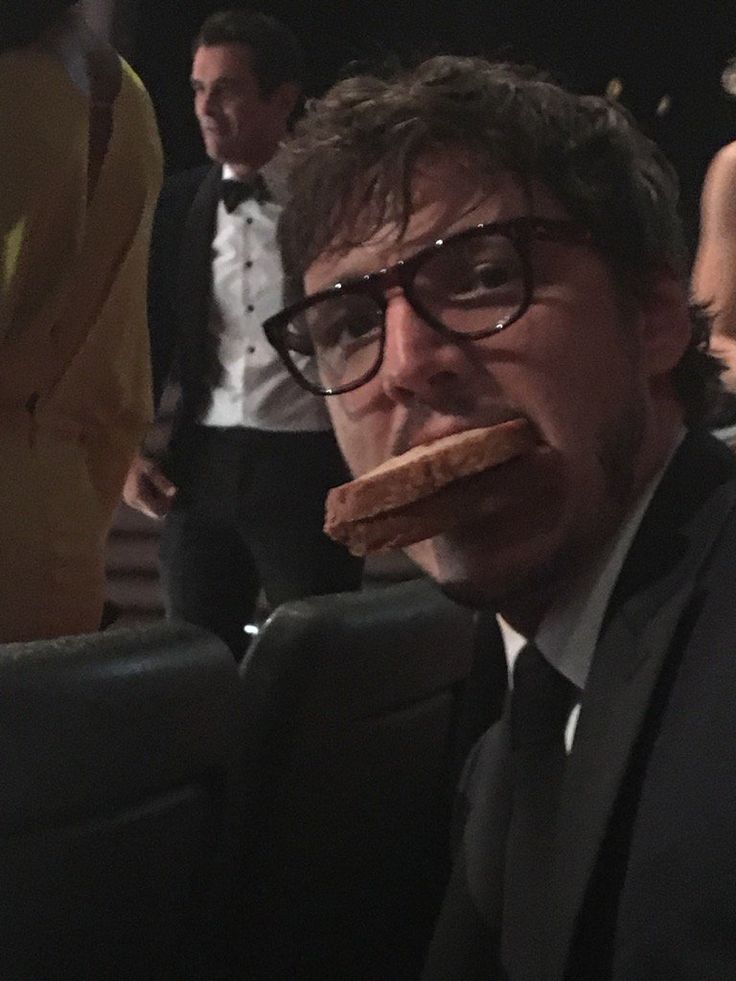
[250, 308]
[248, 264]
[250, 349]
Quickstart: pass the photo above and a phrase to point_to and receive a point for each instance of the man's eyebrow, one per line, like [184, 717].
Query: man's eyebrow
[348, 273]
[403, 250]
[357, 268]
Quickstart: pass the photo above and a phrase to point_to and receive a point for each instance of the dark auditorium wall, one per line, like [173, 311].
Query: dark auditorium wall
[657, 48]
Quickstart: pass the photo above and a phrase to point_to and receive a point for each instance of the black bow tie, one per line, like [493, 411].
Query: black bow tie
[234, 192]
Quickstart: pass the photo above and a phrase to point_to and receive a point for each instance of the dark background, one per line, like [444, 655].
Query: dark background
[676, 48]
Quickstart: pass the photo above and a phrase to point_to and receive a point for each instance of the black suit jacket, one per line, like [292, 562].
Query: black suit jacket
[643, 885]
[180, 276]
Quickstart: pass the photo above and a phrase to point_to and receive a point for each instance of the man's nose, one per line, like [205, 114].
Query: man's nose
[418, 362]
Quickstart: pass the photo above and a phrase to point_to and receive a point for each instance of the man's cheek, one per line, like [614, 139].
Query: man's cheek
[357, 452]
[346, 438]
[357, 439]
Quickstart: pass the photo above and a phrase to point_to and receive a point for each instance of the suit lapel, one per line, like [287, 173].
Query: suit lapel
[647, 606]
[483, 794]
[196, 254]
[200, 369]
[466, 941]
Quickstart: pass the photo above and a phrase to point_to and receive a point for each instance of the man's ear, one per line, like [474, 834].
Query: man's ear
[665, 324]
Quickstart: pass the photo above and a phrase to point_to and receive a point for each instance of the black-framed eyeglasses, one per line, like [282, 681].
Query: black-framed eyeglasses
[467, 286]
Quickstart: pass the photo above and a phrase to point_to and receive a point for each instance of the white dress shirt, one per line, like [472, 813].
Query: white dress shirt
[247, 287]
[568, 634]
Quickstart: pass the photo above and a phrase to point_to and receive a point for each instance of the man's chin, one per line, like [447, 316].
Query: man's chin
[466, 586]
[485, 575]
[216, 151]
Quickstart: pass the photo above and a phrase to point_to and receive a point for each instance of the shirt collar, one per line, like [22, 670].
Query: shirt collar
[274, 173]
[568, 634]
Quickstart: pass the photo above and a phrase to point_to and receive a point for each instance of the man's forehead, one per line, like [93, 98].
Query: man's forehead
[446, 197]
[232, 60]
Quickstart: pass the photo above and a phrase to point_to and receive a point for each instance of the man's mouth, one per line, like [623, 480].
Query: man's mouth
[431, 433]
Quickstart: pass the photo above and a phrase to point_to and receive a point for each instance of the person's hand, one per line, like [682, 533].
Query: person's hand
[148, 489]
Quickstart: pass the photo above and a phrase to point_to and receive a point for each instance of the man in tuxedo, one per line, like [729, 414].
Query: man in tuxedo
[251, 457]
[495, 248]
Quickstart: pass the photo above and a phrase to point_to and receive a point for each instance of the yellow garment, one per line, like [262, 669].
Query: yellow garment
[75, 396]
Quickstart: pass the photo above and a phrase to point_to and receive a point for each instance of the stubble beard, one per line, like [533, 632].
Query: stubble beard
[542, 583]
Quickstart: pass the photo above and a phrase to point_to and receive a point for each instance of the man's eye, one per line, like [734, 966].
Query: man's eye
[342, 332]
[489, 276]
[474, 282]
[344, 320]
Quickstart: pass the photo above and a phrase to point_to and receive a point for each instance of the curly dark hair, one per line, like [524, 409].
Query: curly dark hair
[355, 150]
[23, 21]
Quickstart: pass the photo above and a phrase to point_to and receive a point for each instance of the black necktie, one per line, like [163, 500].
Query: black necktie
[541, 702]
[233, 193]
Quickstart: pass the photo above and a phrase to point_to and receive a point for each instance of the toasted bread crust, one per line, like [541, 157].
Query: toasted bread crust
[423, 470]
[415, 522]
[411, 497]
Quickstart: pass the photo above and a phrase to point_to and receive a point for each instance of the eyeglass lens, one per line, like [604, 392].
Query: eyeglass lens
[472, 286]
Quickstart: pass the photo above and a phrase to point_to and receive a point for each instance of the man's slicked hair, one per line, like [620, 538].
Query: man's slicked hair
[276, 55]
[356, 149]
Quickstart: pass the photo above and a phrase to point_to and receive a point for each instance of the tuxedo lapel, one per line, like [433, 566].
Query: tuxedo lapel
[485, 787]
[466, 941]
[654, 589]
[201, 368]
[196, 254]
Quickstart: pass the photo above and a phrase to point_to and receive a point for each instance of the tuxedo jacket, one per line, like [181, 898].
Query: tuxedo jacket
[643, 880]
[179, 285]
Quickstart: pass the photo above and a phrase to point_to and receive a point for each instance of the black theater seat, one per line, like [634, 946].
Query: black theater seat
[351, 706]
[116, 751]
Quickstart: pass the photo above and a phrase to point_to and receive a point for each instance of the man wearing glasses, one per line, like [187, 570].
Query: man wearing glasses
[469, 244]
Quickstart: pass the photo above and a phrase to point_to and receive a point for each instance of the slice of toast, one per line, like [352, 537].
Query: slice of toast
[416, 495]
